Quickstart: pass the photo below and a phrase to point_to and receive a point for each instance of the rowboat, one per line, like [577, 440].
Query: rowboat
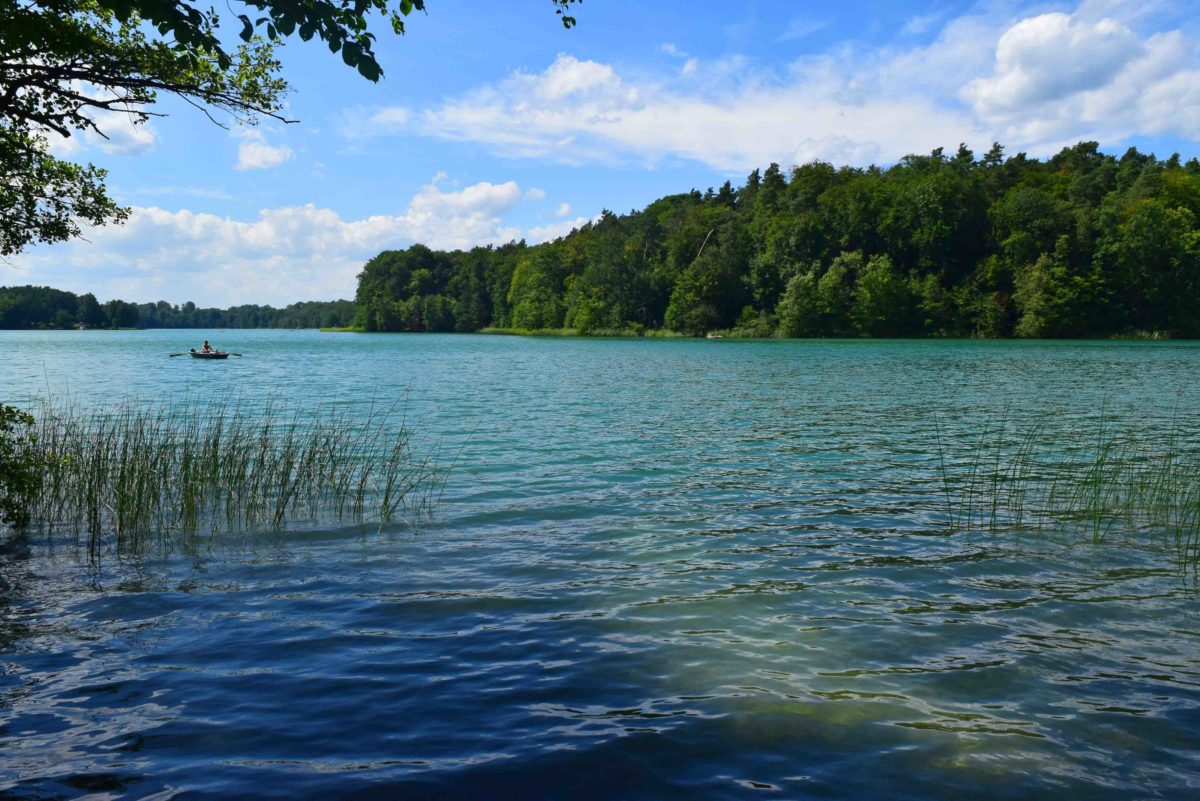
[212, 354]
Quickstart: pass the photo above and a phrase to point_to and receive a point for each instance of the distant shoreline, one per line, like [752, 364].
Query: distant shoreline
[572, 333]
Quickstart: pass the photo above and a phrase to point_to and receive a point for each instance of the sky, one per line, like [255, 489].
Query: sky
[493, 123]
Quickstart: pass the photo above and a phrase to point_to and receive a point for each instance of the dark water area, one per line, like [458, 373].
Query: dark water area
[659, 569]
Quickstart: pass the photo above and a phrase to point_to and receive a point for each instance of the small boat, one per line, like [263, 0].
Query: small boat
[212, 354]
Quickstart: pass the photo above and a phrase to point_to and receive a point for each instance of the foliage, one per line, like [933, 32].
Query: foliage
[20, 474]
[45, 199]
[1083, 244]
[799, 308]
[70, 66]
[883, 303]
[23, 307]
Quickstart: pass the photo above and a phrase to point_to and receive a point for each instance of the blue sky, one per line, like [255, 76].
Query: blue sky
[493, 123]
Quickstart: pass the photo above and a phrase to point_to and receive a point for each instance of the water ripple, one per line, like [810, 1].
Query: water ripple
[660, 570]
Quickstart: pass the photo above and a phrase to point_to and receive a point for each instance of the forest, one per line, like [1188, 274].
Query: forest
[1083, 244]
[24, 307]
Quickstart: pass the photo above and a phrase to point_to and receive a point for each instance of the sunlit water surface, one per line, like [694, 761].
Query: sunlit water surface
[660, 569]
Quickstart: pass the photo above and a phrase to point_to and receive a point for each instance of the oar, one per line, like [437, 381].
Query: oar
[234, 354]
[173, 355]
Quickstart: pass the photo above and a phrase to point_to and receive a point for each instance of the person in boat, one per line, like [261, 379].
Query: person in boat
[207, 348]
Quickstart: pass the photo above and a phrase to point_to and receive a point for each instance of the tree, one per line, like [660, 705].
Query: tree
[883, 303]
[835, 294]
[535, 295]
[1035, 296]
[931, 245]
[66, 64]
[20, 474]
[121, 314]
[708, 295]
[90, 313]
[1151, 254]
[799, 309]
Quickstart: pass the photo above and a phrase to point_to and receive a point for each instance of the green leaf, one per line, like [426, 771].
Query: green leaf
[351, 53]
[369, 69]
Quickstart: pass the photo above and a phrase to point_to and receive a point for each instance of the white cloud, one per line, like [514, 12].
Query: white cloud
[1058, 77]
[285, 255]
[63, 147]
[563, 210]
[568, 77]
[1030, 83]
[395, 117]
[921, 23]
[255, 154]
[121, 136]
[360, 122]
[536, 194]
[836, 150]
[1049, 57]
[124, 137]
[552, 231]
[207, 192]
[801, 28]
[577, 111]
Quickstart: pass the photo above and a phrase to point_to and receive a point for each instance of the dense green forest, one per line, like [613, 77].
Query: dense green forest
[42, 307]
[1081, 244]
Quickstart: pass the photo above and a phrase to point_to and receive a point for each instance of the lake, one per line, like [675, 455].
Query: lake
[659, 569]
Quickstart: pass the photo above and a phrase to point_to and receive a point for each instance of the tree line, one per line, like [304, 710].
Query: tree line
[1082, 244]
[24, 307]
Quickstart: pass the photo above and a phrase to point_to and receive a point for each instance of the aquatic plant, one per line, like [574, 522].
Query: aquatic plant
[1105, 484]
[130, 473]
[19, 465]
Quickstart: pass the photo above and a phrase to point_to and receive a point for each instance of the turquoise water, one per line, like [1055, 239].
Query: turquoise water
[660, 569]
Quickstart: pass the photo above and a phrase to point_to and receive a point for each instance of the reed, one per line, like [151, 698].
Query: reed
[1111, 483]
[130, 474]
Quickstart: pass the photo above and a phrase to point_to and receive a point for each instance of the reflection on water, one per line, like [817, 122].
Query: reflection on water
[661, 569]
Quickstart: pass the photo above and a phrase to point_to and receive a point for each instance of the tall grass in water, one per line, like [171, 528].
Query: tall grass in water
[132, 473]
[1109, 483]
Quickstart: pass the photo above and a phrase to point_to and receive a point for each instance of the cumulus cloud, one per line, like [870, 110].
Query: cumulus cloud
[1051, 56]
[255, 154]
[551, 231]
[1057, 76]
[563, 210]
[123, 136]
[120, 137]
[286, 254]
[1032, 83]
[577, 111]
